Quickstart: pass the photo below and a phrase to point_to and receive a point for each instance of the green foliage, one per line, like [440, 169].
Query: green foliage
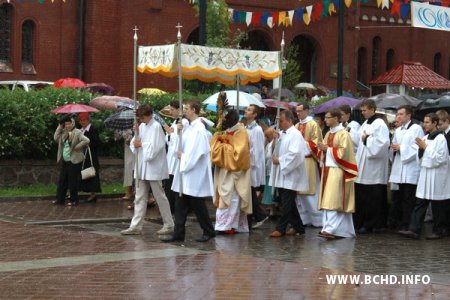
[217, 24]
[50, 189]
[292, 73]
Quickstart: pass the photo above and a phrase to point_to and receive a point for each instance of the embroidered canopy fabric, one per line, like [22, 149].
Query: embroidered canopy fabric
[210, 64]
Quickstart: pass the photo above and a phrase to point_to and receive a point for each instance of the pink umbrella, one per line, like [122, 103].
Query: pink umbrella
[115, 103]
[69, 83]
[73, 108]
[273, 103]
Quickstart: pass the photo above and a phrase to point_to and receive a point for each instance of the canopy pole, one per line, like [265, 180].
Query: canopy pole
[135, 38]
[277, 119]
[180, 99]
[238, 83]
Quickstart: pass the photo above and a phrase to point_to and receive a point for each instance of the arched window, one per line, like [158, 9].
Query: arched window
[437, 63]
[5, 37]
[28, 47]
[390, 59]
[361, 71]
[376, 42]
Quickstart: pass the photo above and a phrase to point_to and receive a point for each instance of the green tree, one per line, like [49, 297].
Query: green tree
[292, 72]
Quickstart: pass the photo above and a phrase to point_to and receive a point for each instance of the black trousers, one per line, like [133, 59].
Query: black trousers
[69, 178]
[369, 204]
[407, 196]
[439, 215]
[258, 213]
[289, 211]
[171, 195]
[198, 205]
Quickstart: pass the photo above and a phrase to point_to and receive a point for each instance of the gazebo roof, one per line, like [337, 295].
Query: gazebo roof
[413, 74]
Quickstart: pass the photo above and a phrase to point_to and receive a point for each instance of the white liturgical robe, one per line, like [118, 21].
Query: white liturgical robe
[291, 172]
[152, 163]
[172, 146]
[405, 168]
[257, 152]
[432, 183]
[195, 163]
[372, 157]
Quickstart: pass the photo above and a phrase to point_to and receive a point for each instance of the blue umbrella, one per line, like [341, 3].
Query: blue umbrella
[335, 103]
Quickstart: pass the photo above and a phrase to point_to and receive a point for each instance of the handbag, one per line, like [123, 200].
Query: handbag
[88, 172]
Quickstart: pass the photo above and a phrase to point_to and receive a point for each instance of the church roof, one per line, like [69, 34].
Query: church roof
[413, 74]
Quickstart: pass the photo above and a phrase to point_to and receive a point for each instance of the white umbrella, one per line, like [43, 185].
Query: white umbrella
[305, 85]
[244, 99]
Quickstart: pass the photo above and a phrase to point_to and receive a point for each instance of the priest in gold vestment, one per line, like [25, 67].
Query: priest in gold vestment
[339, 171]
[230, 156]
[307, 200]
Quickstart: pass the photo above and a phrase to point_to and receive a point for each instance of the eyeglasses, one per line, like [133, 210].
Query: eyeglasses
[327, 117]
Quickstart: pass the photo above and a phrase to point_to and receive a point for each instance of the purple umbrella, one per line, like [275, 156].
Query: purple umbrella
[334, 103]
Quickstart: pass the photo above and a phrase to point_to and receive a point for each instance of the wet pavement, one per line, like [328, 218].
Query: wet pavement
[57, 252]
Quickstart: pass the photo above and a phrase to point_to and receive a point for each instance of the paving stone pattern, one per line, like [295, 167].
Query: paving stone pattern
[91, 260]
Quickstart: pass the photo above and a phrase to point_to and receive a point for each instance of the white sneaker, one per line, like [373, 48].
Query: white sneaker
[165, 231]
[260, 223]
[131, 231]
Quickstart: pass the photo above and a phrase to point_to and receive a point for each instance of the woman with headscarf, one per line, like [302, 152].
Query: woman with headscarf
[71, 143]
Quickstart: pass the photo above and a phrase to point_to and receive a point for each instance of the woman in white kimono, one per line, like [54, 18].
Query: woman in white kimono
[433, 159]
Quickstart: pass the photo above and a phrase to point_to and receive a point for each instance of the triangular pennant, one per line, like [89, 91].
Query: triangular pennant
[384, 4]
[281, 18]
[348, 3]
[275, 18]
[270, 22]
[248, 18]
[299, 14]
[256, 18]
[242, 16]
[290, 16]
[405, 10]
[326, 5]
[395, 9]
[331, 9]
[236, 16]
[307, 14]
[264, 18]
[378, 3]
[317, 11]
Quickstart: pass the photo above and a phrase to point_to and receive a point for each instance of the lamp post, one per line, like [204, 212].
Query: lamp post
[340, 50]
[202, 22]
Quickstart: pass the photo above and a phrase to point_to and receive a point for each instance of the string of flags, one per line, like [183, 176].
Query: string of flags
[316, 12]
[38, 1]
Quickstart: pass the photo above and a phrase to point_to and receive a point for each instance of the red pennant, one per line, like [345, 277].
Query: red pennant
[395, 8]
[316, 11]
[275, 18]
[256, 17]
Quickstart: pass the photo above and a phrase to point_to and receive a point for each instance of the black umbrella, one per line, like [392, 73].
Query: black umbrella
[124, 120]
[285, 93]
[386, 100]
[433, 105]
[251, 89]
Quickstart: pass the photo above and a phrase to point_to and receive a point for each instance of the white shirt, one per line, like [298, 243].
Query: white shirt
[291, 172]
[405, 168]
[195, 163]
[372, 157]
[152, 163]
[172, 146]
[256, 138]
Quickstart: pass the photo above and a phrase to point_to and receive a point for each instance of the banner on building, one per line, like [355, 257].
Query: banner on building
[430, 16]
[210, 64]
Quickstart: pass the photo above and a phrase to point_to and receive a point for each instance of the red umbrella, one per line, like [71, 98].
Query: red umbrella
[73, 108]
[69, 83]
[273, 103]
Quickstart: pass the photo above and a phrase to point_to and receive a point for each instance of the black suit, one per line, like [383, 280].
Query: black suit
[92, 184]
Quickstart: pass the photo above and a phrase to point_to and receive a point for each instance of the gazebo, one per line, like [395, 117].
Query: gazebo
[409, 78]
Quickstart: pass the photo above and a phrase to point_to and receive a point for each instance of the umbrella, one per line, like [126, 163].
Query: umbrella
[69, 83]
[305, 85]
[273, 104]
[286, 93]
[124, 120]
[386, 100]
[293, 104]
[101, 88]
[151, 91]
[244, 99]
[112, 102]
[334, 103]
[73, 108]
[433, 105]
[250, 89]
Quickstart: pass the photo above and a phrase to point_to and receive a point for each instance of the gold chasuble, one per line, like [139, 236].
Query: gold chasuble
[230, 155]
[337, 189]
[313, 135]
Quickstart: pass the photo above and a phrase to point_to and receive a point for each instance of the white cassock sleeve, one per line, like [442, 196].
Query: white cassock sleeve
[435, 154]
[293, 156]
[408, 147]
[155, 145]
[354, 128]
[378, 139]
[194, 150]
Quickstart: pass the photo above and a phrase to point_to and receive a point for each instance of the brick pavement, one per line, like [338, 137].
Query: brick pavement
[93, 261]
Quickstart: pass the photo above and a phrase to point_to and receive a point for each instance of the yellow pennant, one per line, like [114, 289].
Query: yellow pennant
[331, 9]
[281, 18]
[306, 18]
[348, 3]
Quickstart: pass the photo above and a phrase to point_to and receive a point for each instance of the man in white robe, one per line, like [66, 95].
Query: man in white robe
[432, 185]
[194, 178]
[256, 137]
[172, 147]
[372, 158]
[151, 170]
[405, 168]
[289, 175]
[350, 125]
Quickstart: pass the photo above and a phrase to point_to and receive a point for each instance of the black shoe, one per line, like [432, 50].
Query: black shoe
[364, 230]
[170, 239]
[56, 202]
[73, 203]
[204, 238]
[92, 199]
[409, 234]
[433, 236]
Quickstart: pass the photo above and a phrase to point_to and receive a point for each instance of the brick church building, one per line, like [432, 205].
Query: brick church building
[93, 40]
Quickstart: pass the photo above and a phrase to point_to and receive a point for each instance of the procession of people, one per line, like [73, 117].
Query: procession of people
[337, 182]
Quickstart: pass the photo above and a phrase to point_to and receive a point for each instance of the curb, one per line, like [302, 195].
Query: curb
[52, 197]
